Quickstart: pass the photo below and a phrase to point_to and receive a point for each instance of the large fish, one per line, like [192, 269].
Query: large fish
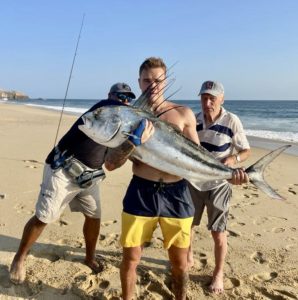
[168, 150]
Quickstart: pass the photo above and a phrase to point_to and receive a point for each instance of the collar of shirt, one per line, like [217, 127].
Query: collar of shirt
[201, 120]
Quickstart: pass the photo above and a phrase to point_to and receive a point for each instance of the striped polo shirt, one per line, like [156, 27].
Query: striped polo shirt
[221, 138]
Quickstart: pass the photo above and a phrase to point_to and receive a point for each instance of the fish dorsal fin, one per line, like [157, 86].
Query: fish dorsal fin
[143, 103]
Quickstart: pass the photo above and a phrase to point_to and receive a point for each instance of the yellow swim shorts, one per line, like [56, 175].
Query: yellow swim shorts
[136, 230]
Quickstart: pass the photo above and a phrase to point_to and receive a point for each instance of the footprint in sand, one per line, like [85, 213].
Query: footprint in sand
[111, 294]
[21, 209]
[156, 242]
[231, 217]
[278, 230]
[108, 223]
[231, 283]
[256, 235]
[33, 161]
[155, 285]
[52, 257]
[85, 284]
[104, 284]
[63, 222]
[71, 243]
[290, 292]
[278, 218]
[263, 277]
[258, 257]
[233, 233]
[249, 187]
[201, 262]
[292, 191]
[4, 278]
[237, 224]
[109, 239]
[260, 221]
[255, 195]
[290, 247]
[32, 164]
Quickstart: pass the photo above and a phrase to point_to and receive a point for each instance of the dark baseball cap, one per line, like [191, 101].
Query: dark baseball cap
[213, 88]
[123, 88]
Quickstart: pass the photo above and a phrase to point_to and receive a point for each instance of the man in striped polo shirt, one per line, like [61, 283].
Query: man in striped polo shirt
[221, 133]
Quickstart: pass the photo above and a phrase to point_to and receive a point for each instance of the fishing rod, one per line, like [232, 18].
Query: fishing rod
[69, 78]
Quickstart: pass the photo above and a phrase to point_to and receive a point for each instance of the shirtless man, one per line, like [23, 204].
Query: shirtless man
[154, 196]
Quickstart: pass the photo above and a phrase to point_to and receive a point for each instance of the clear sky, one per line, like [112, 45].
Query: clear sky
[250, 46]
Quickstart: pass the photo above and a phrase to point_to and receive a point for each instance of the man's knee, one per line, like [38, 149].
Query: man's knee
[178, 259]
[37, 222]
[92, 219]
[219, 237]
[131, 257]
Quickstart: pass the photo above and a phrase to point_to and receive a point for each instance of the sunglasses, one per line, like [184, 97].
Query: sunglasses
[124, 98]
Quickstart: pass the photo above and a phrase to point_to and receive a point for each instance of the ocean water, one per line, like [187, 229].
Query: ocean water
[272, 120]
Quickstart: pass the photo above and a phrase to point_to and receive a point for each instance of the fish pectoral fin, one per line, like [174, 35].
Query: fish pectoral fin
[126, 133]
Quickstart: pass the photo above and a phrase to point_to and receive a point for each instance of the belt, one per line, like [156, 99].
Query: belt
[81, 174]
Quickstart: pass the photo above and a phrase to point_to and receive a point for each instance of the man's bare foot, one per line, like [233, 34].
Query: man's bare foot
[216, 285]
[94, 266]
[17, 273]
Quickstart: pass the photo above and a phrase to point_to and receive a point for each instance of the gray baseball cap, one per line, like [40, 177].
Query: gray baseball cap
[124, 88]
[213, 88]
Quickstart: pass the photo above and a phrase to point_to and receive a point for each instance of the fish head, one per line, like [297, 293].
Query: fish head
[103, 126]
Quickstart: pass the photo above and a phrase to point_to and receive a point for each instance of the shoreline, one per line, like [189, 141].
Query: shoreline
[262, 143]
[255, 142]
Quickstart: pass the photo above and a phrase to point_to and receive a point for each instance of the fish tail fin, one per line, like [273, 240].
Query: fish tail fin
[256, 173]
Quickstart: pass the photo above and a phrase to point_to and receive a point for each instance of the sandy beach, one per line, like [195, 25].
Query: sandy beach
[263, 241]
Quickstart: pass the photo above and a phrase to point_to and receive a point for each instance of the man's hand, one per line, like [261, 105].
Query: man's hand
[239, 177]
[142, 133]
[229, 161]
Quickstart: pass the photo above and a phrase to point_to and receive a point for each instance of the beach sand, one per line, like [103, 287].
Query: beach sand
[263, 241]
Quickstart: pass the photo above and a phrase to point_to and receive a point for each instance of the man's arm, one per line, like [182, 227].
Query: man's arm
[231, 160]
[116, 157]
[190, 123]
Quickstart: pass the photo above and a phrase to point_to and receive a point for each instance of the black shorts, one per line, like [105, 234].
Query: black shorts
[157, 199]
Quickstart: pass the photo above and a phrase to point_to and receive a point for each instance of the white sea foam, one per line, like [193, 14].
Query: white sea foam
[73, 110]
[274, 135]
[284, 136]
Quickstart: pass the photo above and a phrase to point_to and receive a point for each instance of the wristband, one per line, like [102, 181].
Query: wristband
[136, 136]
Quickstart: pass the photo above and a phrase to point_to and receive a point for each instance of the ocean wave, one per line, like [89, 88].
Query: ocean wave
[73, 110]
[265, 134]
[273, 135]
